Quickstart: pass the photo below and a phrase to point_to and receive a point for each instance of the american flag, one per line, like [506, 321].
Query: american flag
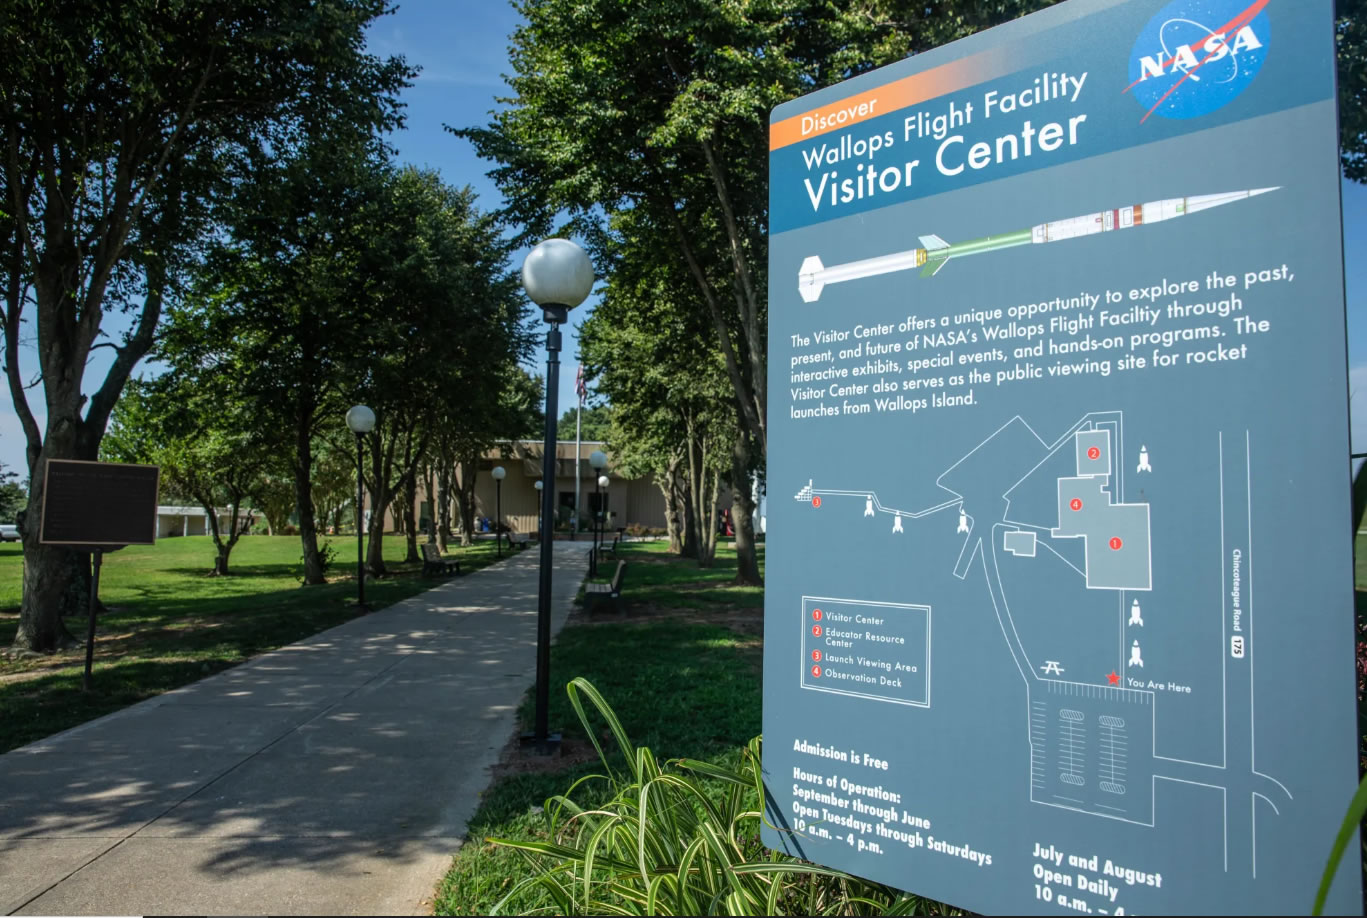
[579, 385]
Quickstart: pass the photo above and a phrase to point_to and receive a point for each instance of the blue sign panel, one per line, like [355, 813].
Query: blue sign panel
[1059, 614]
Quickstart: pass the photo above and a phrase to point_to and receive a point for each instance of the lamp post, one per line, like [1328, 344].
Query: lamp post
[499, 474]
[540, 532]
[557, 276]
[602, 511]
[599, 460]
[361, 420]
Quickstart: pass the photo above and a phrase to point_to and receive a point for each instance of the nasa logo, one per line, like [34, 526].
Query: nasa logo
[1197, 56]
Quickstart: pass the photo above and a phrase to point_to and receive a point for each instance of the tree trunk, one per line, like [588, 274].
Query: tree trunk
[374, 548]
[667, 488]
[303, 500]
[703, 511]
[381, 498]
[707, 550]
[223, 548]
[430, 491]
[442, 511]
[743, 516]
[466, 500]
[374, 545]
[410, 498]
[49, 572]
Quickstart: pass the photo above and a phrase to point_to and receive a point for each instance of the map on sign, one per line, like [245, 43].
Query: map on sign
[1093, 736]
[1058, 447]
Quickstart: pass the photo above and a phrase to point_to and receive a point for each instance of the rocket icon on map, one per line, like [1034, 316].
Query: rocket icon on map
[934, 252]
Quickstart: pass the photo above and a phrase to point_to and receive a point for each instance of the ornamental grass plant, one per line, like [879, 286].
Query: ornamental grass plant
[675, 838]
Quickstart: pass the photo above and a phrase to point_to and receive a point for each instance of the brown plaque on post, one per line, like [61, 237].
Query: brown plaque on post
[99, 504]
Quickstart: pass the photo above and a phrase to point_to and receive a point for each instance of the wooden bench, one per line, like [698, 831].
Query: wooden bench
[595, 593]
[434, 563]
[519, 539]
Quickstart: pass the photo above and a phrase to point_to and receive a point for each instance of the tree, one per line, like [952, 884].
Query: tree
[597, 421]
[282, 304]
[274, 495]
[441, 336]
[1351, 44]
[203, 444]
[123, 124]
[673, 416]
[334, 480]
[11, 494]
[513, 412]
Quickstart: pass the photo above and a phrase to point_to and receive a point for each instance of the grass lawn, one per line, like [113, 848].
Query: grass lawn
[169, 623]
[656, 580]
[682, 671]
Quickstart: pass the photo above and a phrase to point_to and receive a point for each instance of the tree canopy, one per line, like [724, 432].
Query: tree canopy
[124, 126]
[596, 423]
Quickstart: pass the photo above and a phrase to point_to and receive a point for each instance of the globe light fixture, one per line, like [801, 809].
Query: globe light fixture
[360, 419]
[557, 276]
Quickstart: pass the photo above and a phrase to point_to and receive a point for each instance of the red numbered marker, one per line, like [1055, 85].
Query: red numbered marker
[816, 615]
[1116, 543]
[816, 503]
[1075, 503]
[816, 631]
[816, 672]
[1093, 453]
[816, 656]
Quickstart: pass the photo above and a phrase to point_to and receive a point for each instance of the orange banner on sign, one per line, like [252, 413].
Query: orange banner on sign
[903, 93]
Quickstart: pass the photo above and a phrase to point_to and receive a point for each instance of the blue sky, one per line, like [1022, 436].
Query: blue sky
[461, 46]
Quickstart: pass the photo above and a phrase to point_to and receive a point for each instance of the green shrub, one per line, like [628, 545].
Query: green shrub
[676, 839]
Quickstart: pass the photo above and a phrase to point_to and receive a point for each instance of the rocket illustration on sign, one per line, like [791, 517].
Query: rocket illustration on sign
[934, 252]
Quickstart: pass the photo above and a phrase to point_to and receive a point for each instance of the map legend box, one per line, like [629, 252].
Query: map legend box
[877, 650]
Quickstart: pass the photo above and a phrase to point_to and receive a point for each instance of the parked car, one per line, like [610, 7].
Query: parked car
[9, 532]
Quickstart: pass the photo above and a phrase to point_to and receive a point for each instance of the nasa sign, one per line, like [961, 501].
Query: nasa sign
[1072, 291]
[1196, 56]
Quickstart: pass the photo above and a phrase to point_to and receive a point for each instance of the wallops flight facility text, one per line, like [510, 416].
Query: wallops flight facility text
[952, 153]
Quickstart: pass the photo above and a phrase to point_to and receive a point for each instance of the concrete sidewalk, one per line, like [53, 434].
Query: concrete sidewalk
[332, 776]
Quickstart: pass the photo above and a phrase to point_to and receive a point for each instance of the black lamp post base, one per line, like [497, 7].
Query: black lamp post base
[549, 746]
